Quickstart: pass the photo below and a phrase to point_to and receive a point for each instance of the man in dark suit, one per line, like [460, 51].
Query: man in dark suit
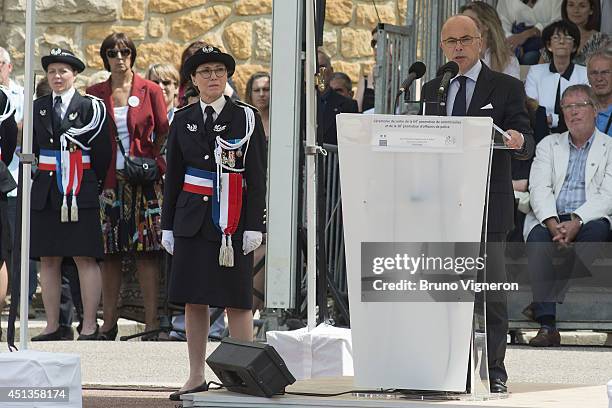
[479, 91]
[330, 104]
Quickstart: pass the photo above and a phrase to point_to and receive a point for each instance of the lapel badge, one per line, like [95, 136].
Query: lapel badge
[219, 128]
[73, 116]
[192, 127]
[43, 112]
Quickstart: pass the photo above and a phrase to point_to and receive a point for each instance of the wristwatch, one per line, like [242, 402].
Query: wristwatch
[576, 217]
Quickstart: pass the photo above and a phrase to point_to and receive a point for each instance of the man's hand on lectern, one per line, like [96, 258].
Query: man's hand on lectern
[516, 139]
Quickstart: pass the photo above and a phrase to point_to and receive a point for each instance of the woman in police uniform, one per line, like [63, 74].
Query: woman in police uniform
[214, 201]
[72, 145]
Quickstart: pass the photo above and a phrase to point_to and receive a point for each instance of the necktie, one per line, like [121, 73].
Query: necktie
[208, 124]
[57, 112]
[460, 105]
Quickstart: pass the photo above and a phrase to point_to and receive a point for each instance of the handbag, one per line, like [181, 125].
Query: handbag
[139, 170]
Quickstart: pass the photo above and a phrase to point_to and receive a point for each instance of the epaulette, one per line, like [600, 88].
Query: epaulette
[238, 102]
[184, 108]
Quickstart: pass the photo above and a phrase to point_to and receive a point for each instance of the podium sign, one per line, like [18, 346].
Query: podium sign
[412, 179]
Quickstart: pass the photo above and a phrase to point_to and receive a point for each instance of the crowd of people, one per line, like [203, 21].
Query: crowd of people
[173, 161]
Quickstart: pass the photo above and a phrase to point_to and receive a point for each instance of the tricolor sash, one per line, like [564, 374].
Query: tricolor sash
[226, 190]
[69, 166]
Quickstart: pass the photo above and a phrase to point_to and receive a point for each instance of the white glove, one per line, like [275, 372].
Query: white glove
[251, 240]
[168, 241]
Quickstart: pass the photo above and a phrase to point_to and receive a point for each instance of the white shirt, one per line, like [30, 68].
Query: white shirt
[122, 134]
[513, 68]
[540, 15]
[15, 94]
[217, 105]
[66, 98]
[470, 84]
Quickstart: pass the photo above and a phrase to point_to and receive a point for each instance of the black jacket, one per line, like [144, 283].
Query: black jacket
[330, 104]
[79, 113]
[186, 213]
[8, 133]
[507, 96]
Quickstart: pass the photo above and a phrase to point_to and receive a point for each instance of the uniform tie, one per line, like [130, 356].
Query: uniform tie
[208, 124]
[460, 105]
[57, 112]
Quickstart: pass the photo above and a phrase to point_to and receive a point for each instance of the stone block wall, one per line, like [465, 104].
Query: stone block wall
[161, 30]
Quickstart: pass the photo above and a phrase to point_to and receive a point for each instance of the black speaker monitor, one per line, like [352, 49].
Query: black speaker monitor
[250, 368]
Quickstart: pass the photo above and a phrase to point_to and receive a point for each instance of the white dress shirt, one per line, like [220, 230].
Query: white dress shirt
[66, 98]
[470, 84]
[217, 105]
[540, 15]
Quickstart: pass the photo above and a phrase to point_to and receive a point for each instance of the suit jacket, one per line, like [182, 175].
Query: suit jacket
[507, 96]
[548, 174]
[332, 103]
[186, 213]
[148, 117]
[8, 132]
[79, 113]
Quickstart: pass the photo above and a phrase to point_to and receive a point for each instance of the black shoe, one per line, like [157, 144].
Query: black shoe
[92, 336]
[54, 336]
[176, 396]
[110, 335]
[498, 386]
[66, 333]
[546, 337]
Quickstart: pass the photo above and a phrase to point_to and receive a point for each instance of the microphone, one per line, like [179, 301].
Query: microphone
[447, 71]
[416, 71]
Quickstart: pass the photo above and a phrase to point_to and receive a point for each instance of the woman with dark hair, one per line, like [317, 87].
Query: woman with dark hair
[586, 14]
[561, 39]
[495, 52]
[214, 207]
[131, 213]
[184, 81]
[71, 142]
[258, 95]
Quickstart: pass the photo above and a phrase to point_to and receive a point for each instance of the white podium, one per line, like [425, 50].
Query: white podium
[411, 179]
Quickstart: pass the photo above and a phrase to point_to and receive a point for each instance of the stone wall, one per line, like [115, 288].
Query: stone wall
[162, 28]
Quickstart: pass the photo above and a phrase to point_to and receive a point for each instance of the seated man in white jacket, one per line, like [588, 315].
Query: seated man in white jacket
[571, 199]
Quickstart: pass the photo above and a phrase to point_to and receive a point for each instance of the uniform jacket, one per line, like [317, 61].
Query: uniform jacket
[8, 133]
[542, 82]
[507, 97]
[548, 174]
[148, 117]
[186, 213]
[44, 186]
[332, 103]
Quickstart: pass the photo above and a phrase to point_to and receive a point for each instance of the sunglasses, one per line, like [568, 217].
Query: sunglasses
[166, 82]
[113, 53]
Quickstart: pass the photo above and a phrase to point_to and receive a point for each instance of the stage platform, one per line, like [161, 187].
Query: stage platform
[520, 396]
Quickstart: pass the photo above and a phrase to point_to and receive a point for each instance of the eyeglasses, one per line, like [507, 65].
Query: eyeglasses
[165, 82]
[452, 42]
[207, 73]
[562, 38]
[577, 105]
[114, 53]
[606, 72]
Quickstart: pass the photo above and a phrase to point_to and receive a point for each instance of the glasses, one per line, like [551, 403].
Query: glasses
[165, 82]
[604, 73]
[561, 38]
[207, 73]
[114, 53]
[452, 42]
[577, 105]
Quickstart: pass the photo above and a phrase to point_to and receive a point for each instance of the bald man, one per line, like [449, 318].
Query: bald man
[479, 91]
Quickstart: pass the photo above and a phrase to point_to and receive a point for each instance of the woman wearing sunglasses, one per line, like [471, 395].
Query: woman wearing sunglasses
[131, 211]
[167, 77]
[71, 142]
[214, 207]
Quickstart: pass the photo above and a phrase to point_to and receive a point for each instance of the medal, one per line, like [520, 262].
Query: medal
[239, 153]
[231, 159]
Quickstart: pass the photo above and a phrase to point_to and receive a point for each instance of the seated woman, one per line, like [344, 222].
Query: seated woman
[561, 39]
[523, 22]
[72, 144]
[586, 14]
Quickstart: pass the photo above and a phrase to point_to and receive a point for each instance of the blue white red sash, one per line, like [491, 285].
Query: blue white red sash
[69, 166]
[227, 204]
